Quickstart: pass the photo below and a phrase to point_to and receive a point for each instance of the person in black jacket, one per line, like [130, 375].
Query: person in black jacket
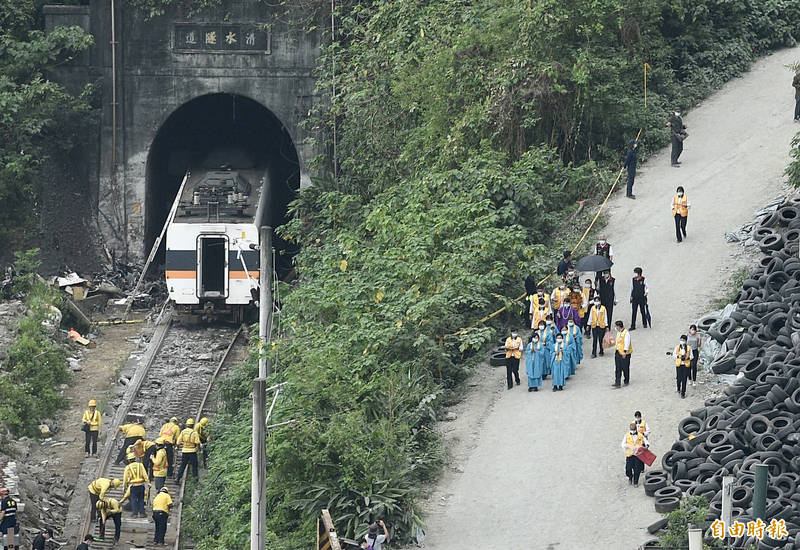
[565, 264]
[39, 542]
[630, 164]
[677, 133]
[607, 295]
[85, 544]
[639, 291]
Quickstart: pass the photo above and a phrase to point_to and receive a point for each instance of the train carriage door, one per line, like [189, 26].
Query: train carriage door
[212, 266]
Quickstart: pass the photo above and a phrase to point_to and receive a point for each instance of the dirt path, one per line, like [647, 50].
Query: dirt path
[544, 470]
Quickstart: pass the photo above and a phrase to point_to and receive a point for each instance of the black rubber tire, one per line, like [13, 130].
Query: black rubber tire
[756, 425]
[653, 485]
[684, 484]
[771, 242]
[741, 496]
[689, 425]
[755, 367]
[762, 233]
[497, 359]
[717, 438]
[725, 364]
[668, 491]
[705, 323]
[657, 526]
[667, 504]
[787, 214]
[721, 451]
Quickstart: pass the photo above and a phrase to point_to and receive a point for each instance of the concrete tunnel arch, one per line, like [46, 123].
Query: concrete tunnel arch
[215, 129]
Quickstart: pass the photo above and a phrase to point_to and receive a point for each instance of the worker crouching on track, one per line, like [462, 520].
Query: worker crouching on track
[133, 432]
[97, 491]
[110, 508]
[169, 433]
[91, 427]
[134, 481]
[144, 451]
[8, 516]
[160, 464]
[190, 441]
[161, 506]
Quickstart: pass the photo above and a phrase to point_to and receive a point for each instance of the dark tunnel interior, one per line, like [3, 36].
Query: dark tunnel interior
[216, 129]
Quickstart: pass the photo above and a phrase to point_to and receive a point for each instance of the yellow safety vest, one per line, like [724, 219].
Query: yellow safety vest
[585, 293]
[631, 442]
[100, 486]
[558, 296]
[92, 419]
[680, 205]
[112, 507]
[135, 474]
[641, 426]
[537, 301]
[599, 317]
[133, 430]
[160, 463]
[620, 346]
[169, 432]
[511, 343]
[683, 358]
[190, 440]
[162, 502]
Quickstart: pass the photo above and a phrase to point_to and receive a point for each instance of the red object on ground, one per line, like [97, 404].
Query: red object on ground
[645, 455]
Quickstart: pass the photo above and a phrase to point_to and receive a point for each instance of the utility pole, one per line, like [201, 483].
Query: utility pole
[258, 481]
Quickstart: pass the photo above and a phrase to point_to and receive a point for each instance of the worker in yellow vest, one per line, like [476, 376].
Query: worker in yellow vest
[680, 211]
[160, 464]
[683, 362]
[622, 355]
[513, 354]
[161, 506]
[133, 432]
[598, 320]
[539, 316]
[133, 482]
[204, 433]
[91, 427]
[641, 424]
[97, 491]
[190, 441]
[589, 293]
[630, 443]
[539, 305]
[110, 508]
[560, 294]
[169, 433]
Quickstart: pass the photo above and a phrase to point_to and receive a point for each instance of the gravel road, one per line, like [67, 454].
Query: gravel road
[544, 470]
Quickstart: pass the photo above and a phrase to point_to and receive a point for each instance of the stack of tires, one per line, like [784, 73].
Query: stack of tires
[757, 421]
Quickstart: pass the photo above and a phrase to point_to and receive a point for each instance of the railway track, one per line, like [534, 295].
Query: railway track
[180, 370]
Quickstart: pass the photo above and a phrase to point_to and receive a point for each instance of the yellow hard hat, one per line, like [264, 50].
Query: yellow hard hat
[159, 441]
[190, 421]
[130, 456]
[174, 419]
[92, 403]
[100, 504]
[203, 421]
[164, 489]
[116, 483]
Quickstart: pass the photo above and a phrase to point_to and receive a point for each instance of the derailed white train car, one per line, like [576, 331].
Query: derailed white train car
[211, 268]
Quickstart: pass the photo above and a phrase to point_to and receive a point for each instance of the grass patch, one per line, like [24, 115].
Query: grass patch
[732, 288]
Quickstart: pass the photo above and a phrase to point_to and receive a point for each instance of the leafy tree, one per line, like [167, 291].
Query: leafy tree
[36, 115]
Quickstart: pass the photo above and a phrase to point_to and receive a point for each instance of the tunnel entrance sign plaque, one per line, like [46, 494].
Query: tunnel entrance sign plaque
[221, 38]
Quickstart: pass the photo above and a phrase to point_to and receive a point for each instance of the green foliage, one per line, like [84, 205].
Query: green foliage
[36, 365]
[37, 116]
[693, 512]
[793, 169]
[466, 132]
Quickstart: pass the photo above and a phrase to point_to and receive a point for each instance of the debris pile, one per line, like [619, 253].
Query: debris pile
[757, 420]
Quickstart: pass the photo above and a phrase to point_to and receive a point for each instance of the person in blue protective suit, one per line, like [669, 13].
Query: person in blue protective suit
[570, 354]
[535, 358]
[560, 355]
[548, 339]
[576, 333]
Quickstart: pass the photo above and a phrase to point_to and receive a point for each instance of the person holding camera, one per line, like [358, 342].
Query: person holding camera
[374, 541]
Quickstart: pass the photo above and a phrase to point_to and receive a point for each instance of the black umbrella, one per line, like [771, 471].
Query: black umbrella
[595, 262]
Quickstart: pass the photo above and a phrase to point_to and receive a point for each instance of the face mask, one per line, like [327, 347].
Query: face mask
[541, 327]
[680, 193]
[633, 432]
[541, 292]
[571, 323]
[588, 284]
[562, 287]
[559, 340]
[564, 332]
[638, 419]
[602, 242]
[549, 322]
[683, 342]
[513, 334]
[535, 340]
